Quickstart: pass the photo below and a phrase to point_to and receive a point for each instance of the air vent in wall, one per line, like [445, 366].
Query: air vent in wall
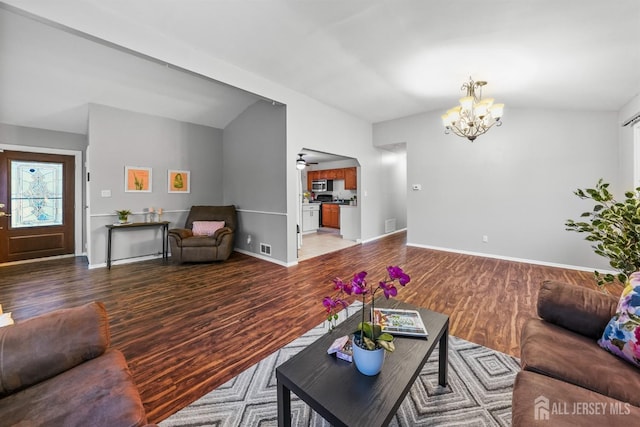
[265, 249]
[390, 225]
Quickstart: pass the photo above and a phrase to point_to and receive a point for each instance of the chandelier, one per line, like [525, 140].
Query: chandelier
[474, 116]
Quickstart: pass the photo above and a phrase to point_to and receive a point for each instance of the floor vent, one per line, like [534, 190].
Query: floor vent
[265, 249]
[390, 225]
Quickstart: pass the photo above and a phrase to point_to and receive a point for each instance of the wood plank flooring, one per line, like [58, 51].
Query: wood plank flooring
[186, 329]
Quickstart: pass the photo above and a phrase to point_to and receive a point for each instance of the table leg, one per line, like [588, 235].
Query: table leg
[109, 249]
[284, 405]
[165, 251]
[443, 357]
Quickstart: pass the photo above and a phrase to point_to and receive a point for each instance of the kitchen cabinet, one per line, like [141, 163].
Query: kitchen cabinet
[311, 175]
[349, 175]
[350, 179]
[332, 174]
[310, 217]
[331, 215]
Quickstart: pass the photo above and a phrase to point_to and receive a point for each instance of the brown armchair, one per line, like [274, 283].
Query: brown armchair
[201, 247]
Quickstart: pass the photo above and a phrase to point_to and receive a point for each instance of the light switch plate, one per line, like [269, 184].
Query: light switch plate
[105, 193]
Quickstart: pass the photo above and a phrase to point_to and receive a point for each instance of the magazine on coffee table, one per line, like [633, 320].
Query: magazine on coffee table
[400, 322]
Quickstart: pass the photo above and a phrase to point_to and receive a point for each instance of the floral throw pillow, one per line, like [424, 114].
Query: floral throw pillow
[622, 335]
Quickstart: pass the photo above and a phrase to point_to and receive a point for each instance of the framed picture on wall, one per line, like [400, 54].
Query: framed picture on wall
[137, 179]
[179, 181]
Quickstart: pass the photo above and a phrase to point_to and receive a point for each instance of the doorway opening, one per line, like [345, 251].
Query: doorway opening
[328, 214]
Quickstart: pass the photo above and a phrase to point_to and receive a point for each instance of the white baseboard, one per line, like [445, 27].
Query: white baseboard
[266, 258]
[384, 235]
[507, 258]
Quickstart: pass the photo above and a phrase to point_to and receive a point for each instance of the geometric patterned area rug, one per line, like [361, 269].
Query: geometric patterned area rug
[480, 383]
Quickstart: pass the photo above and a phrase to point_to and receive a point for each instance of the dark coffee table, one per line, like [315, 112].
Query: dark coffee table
[345, 397]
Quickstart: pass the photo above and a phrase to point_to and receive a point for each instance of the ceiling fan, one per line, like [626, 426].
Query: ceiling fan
[302, 163]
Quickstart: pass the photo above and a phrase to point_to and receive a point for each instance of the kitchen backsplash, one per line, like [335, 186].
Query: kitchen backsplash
[339, 191]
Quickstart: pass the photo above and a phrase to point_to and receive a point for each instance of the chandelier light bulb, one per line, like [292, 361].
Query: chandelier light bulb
[466, 103]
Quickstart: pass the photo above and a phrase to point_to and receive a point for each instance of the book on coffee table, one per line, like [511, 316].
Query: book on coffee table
[400, 322]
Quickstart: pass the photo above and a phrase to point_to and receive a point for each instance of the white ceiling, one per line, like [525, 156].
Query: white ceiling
[48, 78]
[375, 59]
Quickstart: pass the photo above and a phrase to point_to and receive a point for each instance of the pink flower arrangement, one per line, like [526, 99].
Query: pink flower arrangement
[371, 335]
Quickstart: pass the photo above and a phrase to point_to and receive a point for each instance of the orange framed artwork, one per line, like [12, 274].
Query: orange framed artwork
[179, 181]
[137, 179]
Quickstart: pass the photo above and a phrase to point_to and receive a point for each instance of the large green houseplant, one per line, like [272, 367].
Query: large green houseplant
[614, 228]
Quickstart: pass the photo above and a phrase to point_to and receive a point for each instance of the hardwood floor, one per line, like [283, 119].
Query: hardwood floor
[186, 329]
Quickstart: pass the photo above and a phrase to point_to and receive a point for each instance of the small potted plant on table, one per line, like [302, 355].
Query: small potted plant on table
[123, 215]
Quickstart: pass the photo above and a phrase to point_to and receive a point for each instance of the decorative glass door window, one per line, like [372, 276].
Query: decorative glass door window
[36, 194]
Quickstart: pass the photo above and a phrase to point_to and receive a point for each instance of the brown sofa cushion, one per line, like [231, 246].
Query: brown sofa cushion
[559, 353]
[99, 392]
[581, 310]
[566, 397]
[42, 347]
[199, 241]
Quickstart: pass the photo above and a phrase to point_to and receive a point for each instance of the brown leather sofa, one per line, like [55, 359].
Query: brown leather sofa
[57, 370]
[188, 247]
[567, 379]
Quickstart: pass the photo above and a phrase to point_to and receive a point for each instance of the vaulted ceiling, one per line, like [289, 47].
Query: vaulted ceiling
[375, 59]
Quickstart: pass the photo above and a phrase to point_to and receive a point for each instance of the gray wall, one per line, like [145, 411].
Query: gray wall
[255, 177]
[514, 184]
[32, 137]
[119, 138]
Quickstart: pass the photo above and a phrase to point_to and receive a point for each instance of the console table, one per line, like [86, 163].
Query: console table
[164, 225]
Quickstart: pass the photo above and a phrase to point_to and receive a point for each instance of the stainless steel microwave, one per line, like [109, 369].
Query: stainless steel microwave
[321, 185]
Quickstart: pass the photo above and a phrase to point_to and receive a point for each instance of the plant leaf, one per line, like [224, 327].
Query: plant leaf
[369, 344]
[387, 345]
[385, 337]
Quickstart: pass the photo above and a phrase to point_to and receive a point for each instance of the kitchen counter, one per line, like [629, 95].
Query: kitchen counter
[310, 217]
[339, 203]
[350, 222]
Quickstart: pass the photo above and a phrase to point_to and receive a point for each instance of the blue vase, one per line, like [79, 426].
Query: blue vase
[368, 362]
